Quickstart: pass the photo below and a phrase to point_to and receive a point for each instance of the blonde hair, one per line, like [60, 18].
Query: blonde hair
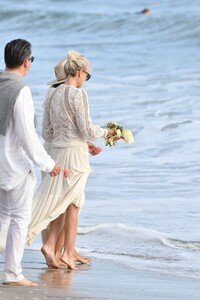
[75, 61]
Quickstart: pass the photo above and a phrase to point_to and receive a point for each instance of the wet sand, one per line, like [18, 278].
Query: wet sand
[102, 279]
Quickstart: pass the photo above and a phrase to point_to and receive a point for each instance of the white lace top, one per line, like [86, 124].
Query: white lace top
[66, 120]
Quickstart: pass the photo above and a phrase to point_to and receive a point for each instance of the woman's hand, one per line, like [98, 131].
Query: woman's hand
[93, 150]
[112, 132]
[66, 173]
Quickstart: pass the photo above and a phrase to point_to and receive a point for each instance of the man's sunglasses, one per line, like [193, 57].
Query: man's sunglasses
[31, 59]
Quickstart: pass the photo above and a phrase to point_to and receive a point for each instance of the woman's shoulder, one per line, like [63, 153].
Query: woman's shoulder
[77, 92]
[50, 91]
[53, 91]
[49, 95]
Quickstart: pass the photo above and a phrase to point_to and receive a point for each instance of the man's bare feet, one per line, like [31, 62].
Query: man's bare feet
[23, 282]
[50, 258]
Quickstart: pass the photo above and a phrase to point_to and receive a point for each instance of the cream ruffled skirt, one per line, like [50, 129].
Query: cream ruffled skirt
[54, 195]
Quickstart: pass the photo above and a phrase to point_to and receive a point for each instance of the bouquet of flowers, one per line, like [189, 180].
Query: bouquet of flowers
[121, 133]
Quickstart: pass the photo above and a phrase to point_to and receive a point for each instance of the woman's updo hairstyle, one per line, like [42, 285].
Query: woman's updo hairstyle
[75, 62]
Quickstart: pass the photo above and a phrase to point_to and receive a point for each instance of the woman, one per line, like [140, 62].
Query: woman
[67, 127]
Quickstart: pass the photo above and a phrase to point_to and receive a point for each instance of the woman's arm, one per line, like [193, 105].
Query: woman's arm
[47, 130]
[88, 130]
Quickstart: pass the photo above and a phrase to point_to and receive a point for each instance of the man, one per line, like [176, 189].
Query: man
[20, 147]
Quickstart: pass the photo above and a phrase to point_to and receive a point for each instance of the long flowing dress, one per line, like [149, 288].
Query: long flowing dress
[67, 127]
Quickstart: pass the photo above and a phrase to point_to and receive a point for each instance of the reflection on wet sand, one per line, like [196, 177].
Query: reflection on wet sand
[60, 278]
[57, 278]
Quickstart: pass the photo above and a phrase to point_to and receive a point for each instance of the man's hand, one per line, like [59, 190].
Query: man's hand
[55, 171]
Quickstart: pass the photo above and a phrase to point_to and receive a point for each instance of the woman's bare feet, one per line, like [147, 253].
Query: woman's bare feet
[50, 258]
[69, 259]
[58, 255]
[82, 259]
[78, 258]
[23, 282]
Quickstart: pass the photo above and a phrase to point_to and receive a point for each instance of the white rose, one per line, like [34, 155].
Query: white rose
[118, 132]
[127, 136]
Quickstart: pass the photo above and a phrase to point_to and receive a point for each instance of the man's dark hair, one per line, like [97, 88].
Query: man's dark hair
[16, 52]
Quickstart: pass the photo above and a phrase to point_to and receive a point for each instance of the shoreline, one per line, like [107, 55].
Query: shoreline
[102, 279]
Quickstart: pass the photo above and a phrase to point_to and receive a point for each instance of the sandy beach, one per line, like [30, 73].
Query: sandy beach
[102, 279]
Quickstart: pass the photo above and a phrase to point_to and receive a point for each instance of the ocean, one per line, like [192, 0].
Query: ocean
[142, 200]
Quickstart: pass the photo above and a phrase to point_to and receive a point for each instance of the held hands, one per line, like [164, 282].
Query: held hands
[56, 170]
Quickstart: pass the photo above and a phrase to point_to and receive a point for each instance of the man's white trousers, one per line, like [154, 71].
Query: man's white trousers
[15, 213]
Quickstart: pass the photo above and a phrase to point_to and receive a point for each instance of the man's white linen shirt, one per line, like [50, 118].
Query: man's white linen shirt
[21, 147]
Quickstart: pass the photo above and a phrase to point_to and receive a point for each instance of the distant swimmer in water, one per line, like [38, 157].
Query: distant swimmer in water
[146, 12]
